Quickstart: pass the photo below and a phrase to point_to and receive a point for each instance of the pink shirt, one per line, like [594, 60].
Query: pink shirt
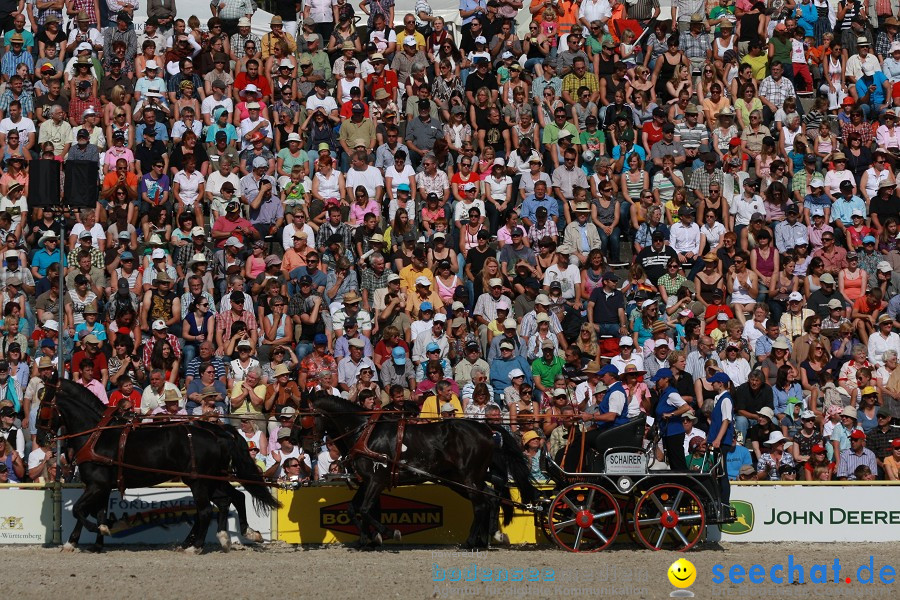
[357, 212]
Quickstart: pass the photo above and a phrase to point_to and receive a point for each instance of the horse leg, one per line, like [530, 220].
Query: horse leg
[222, 500]
[355, 514]
[481, 512]
[239, 501]
[200, 488]
[102, 524]
[370, 516]
[80, 511]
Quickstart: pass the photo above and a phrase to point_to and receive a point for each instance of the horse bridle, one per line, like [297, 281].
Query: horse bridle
[47, 413]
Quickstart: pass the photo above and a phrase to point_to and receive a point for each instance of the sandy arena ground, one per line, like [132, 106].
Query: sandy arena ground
[282, 571]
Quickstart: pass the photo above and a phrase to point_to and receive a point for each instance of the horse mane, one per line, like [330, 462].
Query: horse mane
[77, 394]
[334, 405]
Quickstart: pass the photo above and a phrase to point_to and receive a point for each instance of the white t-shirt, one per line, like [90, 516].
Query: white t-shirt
[189, 186]
[398, 178]
[35, 457]
[210, 102]
[461, 210]
[498, 187]
[694, 433]
[568, 278]
[314, 102]
[24, 126]
[247, 125]
[287, 234]
[97, 232]
[370, 179]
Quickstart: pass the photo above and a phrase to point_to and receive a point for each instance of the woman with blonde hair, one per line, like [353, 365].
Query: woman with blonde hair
[587, 342]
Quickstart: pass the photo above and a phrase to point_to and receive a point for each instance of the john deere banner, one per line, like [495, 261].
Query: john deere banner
[815, 513]
[157, 516]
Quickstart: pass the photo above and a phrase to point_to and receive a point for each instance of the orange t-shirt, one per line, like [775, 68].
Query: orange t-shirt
[111, 180]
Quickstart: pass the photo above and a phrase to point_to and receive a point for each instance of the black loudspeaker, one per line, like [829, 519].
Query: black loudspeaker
[81, 189]
[43, 182]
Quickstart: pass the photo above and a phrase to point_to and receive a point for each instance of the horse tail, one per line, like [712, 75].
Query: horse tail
[247, 471]
[515, 463]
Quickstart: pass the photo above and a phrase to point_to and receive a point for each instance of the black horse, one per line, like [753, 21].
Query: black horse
[462, 454]
[210, 451]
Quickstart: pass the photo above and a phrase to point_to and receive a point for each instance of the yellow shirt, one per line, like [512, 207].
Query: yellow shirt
[431, 410]
[420, 39]
[408, 278]
[246, 406]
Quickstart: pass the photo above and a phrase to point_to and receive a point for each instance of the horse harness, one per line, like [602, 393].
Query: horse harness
[88, 453]
[361, 447]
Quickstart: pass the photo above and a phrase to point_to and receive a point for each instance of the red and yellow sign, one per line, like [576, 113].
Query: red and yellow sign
[424, 514]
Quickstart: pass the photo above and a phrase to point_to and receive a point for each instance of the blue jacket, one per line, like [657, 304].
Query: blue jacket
[500, 373]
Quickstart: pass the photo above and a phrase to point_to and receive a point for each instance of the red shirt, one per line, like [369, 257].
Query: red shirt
[347, 109]
[226, 225]
[654, 134]
[134, 396]
[99, 359]
[387, 81]
[383, 352]
[241, 82]
[711, 311]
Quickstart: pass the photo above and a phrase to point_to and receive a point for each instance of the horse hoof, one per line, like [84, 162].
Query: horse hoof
[67, 547]
[95, 548]
[377, 540]
[224, 540]
[253, 535]
[103, 530]
[397, 535]
[501, 538]
[193, 550]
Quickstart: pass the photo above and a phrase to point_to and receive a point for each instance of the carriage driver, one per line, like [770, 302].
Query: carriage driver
[721, 427]
[611, 411]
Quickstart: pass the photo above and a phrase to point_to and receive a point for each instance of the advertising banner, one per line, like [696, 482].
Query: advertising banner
[814, 513]
[424, 514]
[26, 516]
[158, 516]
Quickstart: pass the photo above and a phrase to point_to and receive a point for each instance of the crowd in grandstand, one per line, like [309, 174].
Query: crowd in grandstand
[554, 216]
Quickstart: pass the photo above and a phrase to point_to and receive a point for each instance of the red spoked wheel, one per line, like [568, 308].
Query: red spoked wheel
[669, 517]
[584, 517]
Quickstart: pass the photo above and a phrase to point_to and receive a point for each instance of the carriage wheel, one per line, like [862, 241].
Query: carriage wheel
[584, 517]
[669, 517]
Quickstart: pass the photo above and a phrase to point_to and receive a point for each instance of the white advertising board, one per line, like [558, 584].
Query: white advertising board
[158, 516]
[814, 513]
[26, 516]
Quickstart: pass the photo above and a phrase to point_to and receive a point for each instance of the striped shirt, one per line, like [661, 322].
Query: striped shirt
[691, 137]
[850, 460]
[642, 10]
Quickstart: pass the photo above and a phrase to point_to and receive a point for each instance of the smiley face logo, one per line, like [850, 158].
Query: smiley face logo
[682, 573]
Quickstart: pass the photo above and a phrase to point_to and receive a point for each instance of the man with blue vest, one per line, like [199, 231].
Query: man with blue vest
[612, 410]
[609, 412]
[721, 426]
[669, 409]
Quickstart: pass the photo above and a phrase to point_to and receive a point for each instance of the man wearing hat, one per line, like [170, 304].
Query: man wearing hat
[855, 456]
[791, 231]
[423, 130]
[397, 370]
[608, 412]
[669, 409]
[435, 335]
[582, 234]
[606, 308]
[655, 257]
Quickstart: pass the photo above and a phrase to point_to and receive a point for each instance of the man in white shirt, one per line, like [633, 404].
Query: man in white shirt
[14, 121]
[155, 394]
[685, 239]
[568, 276]
[252, 124]
[744, 207]
[321, 99]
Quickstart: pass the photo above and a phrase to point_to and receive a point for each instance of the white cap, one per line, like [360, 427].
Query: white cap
[480, 40]
[84, 46]
[51, 324]
[294, 137]
[722, 317]
[158, 253]
[884, 266]
[159, 324]
[516, 373]
[409, 41]
[506, 54]
[198, 231]
[494, 282]
[648, 302]
[626, 341]
[795, 297]
[440, 318]
[422, 280]
[151, 64]
[243, 22]
[661, 343]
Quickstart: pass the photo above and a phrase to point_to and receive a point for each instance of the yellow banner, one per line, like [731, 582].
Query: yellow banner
[424, 514]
